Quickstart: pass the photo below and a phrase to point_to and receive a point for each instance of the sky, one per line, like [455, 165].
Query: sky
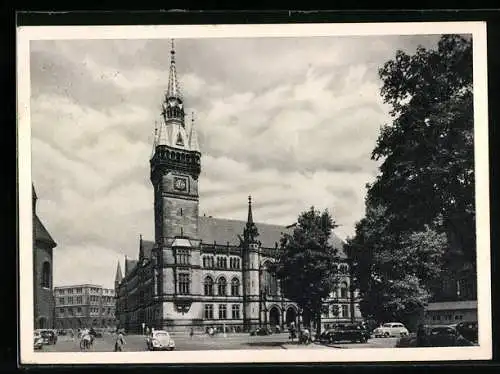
[290, 121]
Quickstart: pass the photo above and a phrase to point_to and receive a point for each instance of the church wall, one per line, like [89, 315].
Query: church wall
[43, 297]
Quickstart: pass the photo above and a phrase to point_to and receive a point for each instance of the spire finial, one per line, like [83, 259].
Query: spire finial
[250, 216]
[173, 90]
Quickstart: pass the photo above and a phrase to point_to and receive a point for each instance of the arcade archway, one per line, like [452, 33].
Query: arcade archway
[291, 316]
[274, 316]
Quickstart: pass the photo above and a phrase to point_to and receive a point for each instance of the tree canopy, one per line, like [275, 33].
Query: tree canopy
[428, 149]
[305, 266]
[420, 209]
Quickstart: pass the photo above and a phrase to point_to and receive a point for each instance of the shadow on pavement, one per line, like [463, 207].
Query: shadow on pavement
[264, 344]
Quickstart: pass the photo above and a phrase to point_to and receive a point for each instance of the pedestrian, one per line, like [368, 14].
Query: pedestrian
[191, 333]
[147, 330]
[420, 335]
[120, 341]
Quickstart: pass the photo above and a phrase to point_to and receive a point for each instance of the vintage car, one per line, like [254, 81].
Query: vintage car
[48, 336]
[345, 332]
[160, 340]
[390, 329]
[441, 336]
[469, 330]
[37, 340]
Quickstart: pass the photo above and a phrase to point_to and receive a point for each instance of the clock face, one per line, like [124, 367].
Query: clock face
[180, 184]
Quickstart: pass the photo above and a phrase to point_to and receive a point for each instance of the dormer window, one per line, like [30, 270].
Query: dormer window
[179, 141]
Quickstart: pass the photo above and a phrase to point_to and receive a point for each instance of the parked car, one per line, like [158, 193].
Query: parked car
[261, 331]
[48, 336]
[437, 336]
[390, 329]
[469, 330]
[160, 340]
[441, 336]
[342, 332]
[37, 340]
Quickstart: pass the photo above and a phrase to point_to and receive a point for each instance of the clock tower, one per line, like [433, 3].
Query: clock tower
[175, 168]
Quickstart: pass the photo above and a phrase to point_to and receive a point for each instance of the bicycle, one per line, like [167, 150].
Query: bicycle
[86, 343]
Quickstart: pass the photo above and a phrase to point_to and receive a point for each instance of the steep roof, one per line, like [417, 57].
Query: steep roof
[130, 265]
[41, 233]
[222, 231]
[147, 247]
[118, 276]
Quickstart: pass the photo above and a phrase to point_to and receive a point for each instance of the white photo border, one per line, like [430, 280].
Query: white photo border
[478, 31]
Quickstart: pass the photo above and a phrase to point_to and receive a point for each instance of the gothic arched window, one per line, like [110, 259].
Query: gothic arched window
[222, 286]
[209, 286]
[45, 281]
[235, 287]
[344, 269]
[270, 281]
[343, 290]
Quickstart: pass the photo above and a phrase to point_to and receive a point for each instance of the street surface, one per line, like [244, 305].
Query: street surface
[184, 342]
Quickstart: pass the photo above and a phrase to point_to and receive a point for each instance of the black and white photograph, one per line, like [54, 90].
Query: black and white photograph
[253, 193]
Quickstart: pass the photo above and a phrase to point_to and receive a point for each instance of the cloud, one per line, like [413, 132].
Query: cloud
[291, 121]
[73, 263]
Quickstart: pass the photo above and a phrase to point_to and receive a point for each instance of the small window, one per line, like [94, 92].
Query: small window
[45, 281]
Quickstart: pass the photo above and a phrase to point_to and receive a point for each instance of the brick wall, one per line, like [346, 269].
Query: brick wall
[43, 298]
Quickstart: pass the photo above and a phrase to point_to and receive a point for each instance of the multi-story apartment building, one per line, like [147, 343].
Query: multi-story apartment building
[202, 271]
[84, 305]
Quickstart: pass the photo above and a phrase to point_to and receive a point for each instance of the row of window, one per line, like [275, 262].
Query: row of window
[79, 290]
[336, 311]
[79, 311]
[93, 299]
[447, 317]
[209, 287]
[222, 311]
[210, 261]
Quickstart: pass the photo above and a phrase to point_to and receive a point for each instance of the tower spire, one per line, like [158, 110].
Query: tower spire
[250, 216]
[155, 139]
[141, 249]
[173, 90]
[250, 232]
[118, 276]
[193, 136]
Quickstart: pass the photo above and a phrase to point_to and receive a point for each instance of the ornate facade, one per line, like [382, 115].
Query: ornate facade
[202, 271]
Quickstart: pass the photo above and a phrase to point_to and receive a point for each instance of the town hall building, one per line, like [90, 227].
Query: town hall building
[202, 271]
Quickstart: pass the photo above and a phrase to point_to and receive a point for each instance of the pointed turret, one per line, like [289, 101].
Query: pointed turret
[193, 136]
[250, 215]
[141, 248]
[250, 233]
[173, 107]
[173, 90]
[155, 140]
[34, 198]
[119, 275]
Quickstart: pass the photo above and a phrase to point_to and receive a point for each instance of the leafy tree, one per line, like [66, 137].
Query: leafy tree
[427, 150]
[305, 266]
[420, 213]
[395, 277]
